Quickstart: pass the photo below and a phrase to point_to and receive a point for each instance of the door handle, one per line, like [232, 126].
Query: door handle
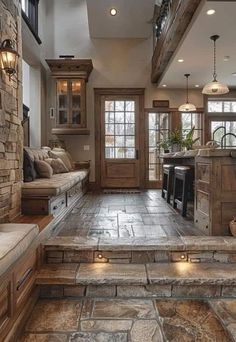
[137, 154]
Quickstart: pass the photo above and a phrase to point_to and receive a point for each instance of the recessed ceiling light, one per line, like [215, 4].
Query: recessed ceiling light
[234, 73]
[211, 11]
[196, 85]
[180, 60]
[164, 85]
[113, 11]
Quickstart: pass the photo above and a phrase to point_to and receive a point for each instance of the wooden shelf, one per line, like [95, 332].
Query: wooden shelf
[71, 131]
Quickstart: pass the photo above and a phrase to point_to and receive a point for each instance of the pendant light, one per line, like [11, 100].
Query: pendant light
[187, 107]
[215, 87]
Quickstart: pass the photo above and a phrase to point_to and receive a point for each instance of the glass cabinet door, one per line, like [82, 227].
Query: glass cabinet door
[71, 111]
[62, 102]
[76, 102]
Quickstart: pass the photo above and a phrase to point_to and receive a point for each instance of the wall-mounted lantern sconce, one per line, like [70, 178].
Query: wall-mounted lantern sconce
[8, 57]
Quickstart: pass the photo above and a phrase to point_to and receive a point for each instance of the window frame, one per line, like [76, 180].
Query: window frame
[202, 117]
[31, 18]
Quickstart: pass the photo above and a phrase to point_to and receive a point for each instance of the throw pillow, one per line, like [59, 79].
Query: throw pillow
[63, 156]
[29, 171]
[44, 169]
[57, 165]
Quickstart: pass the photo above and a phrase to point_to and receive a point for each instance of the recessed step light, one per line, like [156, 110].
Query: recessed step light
[196, 85]
[180, 60]
[211, 11]
[164, 85]
[113, 12]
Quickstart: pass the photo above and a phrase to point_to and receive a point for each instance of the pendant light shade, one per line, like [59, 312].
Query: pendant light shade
[215, 87]
[187, 107]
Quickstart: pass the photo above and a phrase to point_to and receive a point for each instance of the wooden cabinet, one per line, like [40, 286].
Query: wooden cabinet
[6, 302]
[71, 76]
[71, 103]
[215, 194]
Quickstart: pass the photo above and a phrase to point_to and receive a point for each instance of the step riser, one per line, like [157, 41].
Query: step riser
[138, 291]
[138, 257]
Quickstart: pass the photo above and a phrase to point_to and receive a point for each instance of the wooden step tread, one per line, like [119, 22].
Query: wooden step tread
[179, 273]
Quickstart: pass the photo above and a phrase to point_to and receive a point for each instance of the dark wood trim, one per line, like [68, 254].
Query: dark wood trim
[178, 20]
[98, 93]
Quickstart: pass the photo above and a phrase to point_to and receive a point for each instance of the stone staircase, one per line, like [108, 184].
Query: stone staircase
[186, 267]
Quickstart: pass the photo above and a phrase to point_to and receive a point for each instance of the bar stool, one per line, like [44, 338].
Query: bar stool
[167, 181]
[183, 187]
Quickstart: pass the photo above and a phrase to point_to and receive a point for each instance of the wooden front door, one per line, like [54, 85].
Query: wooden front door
[120, 162]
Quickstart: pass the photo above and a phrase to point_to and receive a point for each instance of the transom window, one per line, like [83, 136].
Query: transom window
[158, 131]
[222, 106]
[119, 129]
[190, 120]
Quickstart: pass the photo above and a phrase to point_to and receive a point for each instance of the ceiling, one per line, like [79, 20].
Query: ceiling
[133, 19]
[197, 49]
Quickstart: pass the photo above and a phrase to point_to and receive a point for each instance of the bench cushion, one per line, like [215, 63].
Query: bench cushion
[15, 238]
[54, 186]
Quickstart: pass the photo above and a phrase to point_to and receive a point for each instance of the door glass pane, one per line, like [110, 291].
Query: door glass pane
[62, 91]
[120, 129]
[158, 130]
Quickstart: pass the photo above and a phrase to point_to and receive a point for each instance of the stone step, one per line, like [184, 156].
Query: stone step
[141, 251]
[155, 280]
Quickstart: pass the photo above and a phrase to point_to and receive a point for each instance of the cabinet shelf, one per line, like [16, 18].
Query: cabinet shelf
[70, 131]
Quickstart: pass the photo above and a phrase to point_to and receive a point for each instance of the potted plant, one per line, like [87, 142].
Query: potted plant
[189, 141]
[164, 144]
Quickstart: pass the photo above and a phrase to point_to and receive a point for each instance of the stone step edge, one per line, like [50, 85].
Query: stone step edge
[191, 243]
[137, 291]
[138, 274]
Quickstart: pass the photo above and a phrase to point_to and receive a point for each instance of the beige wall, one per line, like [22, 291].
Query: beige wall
[117, 63]
[10, 119]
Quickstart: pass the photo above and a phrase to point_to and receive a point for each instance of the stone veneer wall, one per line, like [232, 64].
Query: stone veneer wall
[11, 137]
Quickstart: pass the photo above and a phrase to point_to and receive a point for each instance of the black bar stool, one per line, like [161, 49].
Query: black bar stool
[167, 181]
[183, 187]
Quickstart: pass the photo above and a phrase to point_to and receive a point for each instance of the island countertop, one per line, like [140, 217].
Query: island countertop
[210, 152]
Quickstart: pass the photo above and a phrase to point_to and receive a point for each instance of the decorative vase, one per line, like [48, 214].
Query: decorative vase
[176, 148]
[232, 226]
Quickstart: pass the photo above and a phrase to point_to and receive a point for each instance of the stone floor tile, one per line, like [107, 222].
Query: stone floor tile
[107, 233]
[54, 316]
[204, 242]
[146, 330]
[225, 309]
[57, 274]
[190, 320]
[123, 309]
[181, 273]
[98, 337]
[44, 338]
[105, 273]
[108, 325]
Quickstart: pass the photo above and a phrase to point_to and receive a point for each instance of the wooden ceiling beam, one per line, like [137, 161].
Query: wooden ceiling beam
[178, 19]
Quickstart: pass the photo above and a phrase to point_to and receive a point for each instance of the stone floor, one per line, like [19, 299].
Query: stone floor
[134, 320]
[144, 215]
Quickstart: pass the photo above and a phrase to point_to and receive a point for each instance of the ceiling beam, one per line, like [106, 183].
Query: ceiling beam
[177, 21]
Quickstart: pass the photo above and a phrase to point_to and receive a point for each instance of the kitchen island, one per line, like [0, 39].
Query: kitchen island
[215, 187]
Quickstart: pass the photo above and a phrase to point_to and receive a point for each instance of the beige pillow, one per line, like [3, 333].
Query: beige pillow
[43, 169]
[63, 155]
[57, 165]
